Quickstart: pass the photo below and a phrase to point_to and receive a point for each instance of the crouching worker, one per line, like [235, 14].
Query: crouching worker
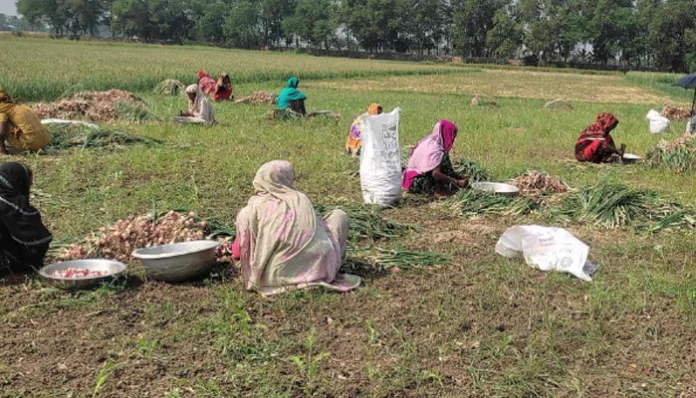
[206, 83]
[199, 108]
[595, 143]
[20, 127]
[223, 89]
[291, 98]
[354, 142]
[282, 244]
[24, 239]
[429, 168]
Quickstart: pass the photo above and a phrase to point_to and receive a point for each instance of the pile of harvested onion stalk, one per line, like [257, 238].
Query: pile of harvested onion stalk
[119, 240]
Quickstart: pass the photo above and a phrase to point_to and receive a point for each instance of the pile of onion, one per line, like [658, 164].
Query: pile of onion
[118, 241]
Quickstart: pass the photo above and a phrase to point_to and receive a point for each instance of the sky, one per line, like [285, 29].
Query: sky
[8, 7]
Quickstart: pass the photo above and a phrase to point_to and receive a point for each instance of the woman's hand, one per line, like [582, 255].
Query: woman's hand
[463, 183]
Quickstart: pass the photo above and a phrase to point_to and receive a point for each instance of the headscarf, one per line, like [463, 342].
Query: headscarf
[290, 93]
[374, 109]
[275, 227]
[23, 222]
[224, 80]
[6, 103]
[354, 134]
[206, 82]
[200, 106]
[429, 152]
[605, 123]
[589, 146]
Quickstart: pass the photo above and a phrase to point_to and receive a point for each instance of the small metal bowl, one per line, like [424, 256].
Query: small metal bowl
[496, 188]
[631, 158]
[113, 269]
[179, 261]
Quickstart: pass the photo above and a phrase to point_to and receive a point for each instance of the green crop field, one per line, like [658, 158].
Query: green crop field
[478, 326]
[45, 69]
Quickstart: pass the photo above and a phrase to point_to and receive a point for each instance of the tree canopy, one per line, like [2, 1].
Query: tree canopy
[627, 33]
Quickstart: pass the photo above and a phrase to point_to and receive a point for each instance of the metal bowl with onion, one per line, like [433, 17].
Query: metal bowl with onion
[496, 188]
[178, 262]
[111, 268]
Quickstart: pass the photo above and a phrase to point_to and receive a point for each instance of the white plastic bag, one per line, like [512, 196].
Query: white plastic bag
[548, 249]
[658, 123]
[380, 159]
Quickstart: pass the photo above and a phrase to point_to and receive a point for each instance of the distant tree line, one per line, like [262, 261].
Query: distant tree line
[629, 33]
[13, 23]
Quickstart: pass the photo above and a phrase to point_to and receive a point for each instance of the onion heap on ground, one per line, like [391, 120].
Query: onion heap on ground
[535, 183]
[678, 155]
[675, 113]
[118, 241]
[95, 106]
[258, 98]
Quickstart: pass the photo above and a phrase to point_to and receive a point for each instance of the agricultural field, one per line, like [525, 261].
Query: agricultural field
[65, 67]
[476, 325]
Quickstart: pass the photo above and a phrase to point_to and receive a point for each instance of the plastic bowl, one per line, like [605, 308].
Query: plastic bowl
[179, 261]
[497, 188]
[113, 268]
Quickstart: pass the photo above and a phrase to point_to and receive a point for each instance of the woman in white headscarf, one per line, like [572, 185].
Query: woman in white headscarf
[200, 110]
[283, 245]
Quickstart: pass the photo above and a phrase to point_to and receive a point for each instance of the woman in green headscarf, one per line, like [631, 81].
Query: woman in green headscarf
[292, 98]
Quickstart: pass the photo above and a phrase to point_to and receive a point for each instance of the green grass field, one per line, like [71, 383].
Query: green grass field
[479, 326]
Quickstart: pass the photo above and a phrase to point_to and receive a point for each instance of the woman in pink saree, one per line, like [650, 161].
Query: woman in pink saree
[283, 245]
[429, 168]
[206, 83]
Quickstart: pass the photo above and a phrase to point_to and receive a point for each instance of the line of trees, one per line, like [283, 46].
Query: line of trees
[629, 33]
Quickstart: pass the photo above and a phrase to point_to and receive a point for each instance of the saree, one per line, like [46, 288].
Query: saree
[595, 139]
[429, 152]
[353, 142]
[199, 107]
[283, 244]
[24, 239]
[206, 82]
[26, 131]
[290, 94]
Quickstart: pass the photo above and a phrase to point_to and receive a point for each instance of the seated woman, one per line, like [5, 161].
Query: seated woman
[429, 168]
[595, 143]
[353, 142]
[199, 110]
[283, 245]
[206, 83]
[24, 239]
[292, 98]
[223, 89]
[20, 126]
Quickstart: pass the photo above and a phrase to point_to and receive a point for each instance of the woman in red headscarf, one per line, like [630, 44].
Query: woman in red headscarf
[429, 168]
[595, 143]
[206, 83]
